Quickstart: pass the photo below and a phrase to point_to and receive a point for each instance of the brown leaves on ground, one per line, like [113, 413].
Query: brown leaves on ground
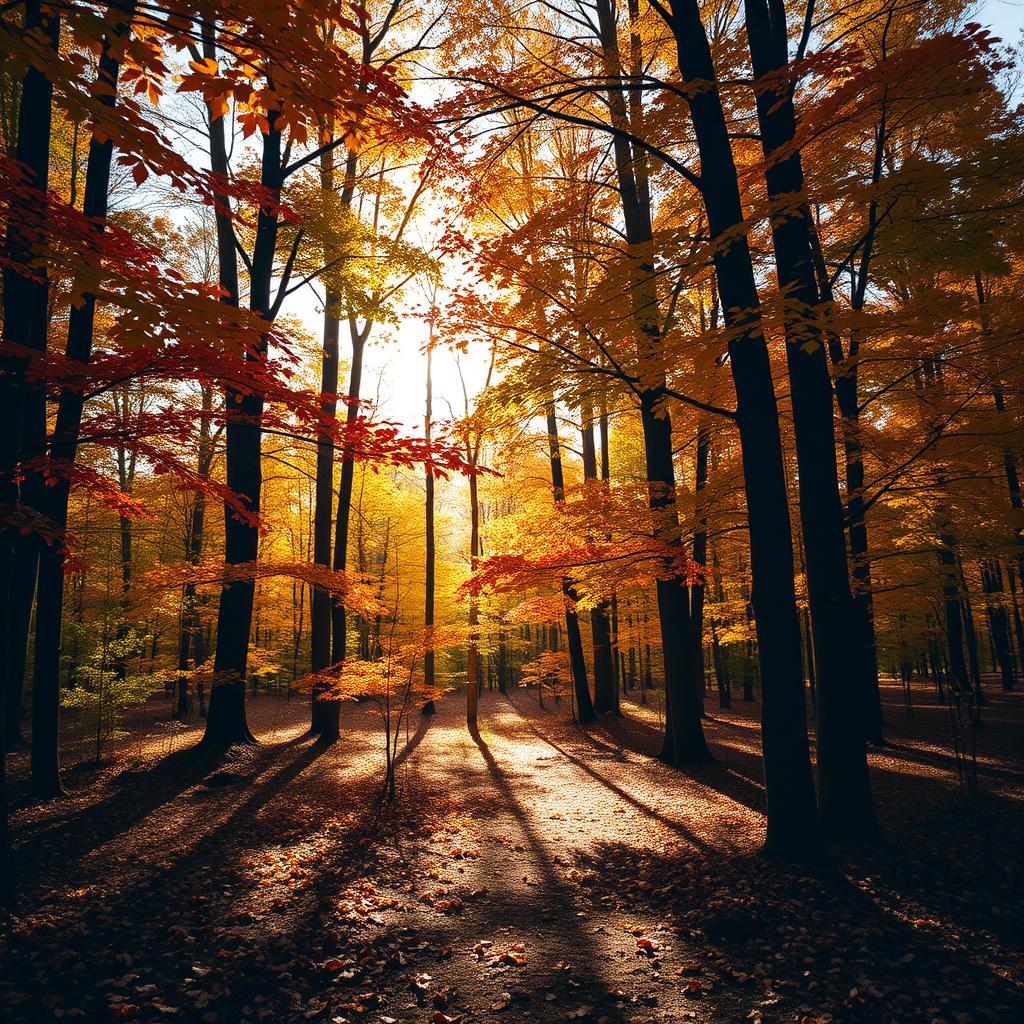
[294, 897]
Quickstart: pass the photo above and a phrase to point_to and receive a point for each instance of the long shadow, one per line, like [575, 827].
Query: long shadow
[156, 913]
[137, 795]
[311, 913]
[554, 896]
[748, 903]
[721, 777]
[417, 737]
[738, 777]
[504, 910]
[265, 791]
[947, 762]
[621, 793]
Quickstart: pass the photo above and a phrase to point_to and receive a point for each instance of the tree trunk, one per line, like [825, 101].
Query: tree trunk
[684, 736]
[225, 721]
[998, 624]
[971, 636]
[24, 570]
[45, 778]
[700, 548]
[431, 549]
[338, 617]
[325, 720]
[951, 608]
[25, 309]
[844, 789]
[577, 663]
[604, 672]
[616, 657]
[190, 641]
[473, 651]
[789, 788]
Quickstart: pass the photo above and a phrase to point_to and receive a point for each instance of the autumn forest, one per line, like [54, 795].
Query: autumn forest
[512, 511]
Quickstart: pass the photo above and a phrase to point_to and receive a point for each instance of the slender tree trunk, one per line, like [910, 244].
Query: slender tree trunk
[606, 478]
[190, 641]
[225, 721]
[863, 598]
[719, 653]
[125, 481]
[339, 624]
[971, 636]
[325, 714]
[325, 720]
[684, 736]
[473, 651]
[577, 663]
[951, 608]
[604, 672]
[431, 549]
[698, 588]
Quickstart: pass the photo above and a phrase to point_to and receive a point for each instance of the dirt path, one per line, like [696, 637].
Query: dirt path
[532, 871]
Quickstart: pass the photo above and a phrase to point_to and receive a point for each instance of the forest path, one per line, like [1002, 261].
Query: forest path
[528, 792]
[529, 871]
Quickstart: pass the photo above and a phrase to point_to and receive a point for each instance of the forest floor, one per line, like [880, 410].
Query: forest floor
[533, 871]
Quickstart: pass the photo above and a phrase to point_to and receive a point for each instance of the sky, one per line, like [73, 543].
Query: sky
[1005, 17]
[395, 365]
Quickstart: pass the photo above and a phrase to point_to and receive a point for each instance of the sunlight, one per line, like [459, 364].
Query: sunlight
[512, 512]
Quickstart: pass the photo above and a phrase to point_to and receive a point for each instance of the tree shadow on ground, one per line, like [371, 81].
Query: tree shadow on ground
[619, 791]
[415, 740]
[75, 827]
[811, 943]
[947, 762]
[735, 779]
[257, 901]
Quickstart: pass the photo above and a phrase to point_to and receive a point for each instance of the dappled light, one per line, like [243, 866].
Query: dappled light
[527, 864]
[512, 511]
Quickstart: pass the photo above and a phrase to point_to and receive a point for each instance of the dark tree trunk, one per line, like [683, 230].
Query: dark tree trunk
[431, 546]
[325, 718]
[225, 720]
[684, 736]
[616, 657]
[190, 645]
[502, 662]
[577, 663]
[998, 624]
[604, 672]
[700, 548]
[24, 569]
[473, 649]
[63, 450]
[339, 623]
[25, 309]
[789, 787]
[684, 741]
[125, 480]
[844, 788]
[951, 609]
[25, 324]
[863, 598]
[971, 637]
[1017, 503]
